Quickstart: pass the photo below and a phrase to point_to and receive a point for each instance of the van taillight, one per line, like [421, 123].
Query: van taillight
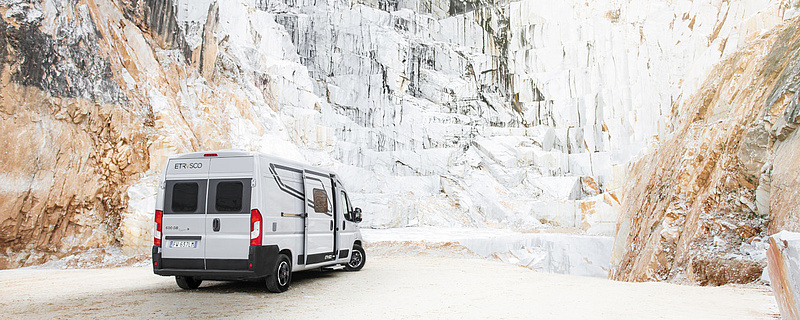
[255, 227]
[157, 231]
[210, 155]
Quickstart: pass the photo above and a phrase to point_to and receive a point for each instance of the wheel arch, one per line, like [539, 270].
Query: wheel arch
[288, 253]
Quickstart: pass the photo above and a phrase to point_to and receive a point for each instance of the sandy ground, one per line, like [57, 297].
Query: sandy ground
[398, 282]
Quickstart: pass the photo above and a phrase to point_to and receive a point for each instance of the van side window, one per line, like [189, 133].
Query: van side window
[346, 207]
[320, 201]
[184, 197]
[229, 196]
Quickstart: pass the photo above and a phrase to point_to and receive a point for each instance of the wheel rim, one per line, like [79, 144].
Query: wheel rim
[355, 260]
[283, 273]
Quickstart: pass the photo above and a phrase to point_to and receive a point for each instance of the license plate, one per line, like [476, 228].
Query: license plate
[183, 244]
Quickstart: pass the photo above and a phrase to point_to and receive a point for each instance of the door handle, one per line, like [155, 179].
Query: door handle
[216, 225]
[343, 226]
[331, 225]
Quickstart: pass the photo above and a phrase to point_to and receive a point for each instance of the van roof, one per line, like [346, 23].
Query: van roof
[242, 153]
[219, 153]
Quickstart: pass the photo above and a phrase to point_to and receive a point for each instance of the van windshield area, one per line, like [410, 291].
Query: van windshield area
[347, 210]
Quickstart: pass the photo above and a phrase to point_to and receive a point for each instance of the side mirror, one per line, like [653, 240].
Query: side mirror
[357, 215]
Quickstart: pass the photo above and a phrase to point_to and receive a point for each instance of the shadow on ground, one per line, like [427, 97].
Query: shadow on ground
[299, 279]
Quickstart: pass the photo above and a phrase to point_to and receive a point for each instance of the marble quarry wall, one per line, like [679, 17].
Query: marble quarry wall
[520, 115]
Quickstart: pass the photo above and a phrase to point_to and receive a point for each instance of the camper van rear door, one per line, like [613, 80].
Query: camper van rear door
[228, 242]
[183, 223]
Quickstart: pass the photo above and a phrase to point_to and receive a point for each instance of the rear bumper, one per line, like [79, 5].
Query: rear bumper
[260, 263]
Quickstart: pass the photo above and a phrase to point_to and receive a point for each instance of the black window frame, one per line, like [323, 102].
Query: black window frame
[246, 195]
[232, 203]
[201, 196]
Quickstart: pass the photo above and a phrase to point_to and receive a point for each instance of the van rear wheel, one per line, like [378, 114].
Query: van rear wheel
[188, 283]
[281, 277]
[357, 259]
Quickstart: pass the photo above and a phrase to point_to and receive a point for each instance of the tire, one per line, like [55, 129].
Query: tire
[357, 259]
[281, 276]
[188, 283]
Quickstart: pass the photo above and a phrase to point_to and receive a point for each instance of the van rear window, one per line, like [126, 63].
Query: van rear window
[184, 197]
[229, 196]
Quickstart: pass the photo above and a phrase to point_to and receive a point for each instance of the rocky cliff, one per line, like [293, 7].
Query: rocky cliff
[726, 177]
[72, 138]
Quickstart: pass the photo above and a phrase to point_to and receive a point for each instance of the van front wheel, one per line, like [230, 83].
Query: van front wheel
[188, 283]
[357, 259]
[281, 276]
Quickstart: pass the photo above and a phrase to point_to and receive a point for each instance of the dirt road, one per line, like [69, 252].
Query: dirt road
[395, 284]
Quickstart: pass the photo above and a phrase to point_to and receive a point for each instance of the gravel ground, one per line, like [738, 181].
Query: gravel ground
[399, 281]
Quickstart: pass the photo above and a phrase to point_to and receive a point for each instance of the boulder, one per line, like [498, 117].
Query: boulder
[783, 259]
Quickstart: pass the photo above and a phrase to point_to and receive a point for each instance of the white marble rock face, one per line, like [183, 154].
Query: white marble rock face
[519, 114]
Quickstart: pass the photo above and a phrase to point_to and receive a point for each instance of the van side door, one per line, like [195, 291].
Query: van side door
[319, 218]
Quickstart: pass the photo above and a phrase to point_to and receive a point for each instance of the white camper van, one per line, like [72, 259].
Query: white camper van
[236, 215]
